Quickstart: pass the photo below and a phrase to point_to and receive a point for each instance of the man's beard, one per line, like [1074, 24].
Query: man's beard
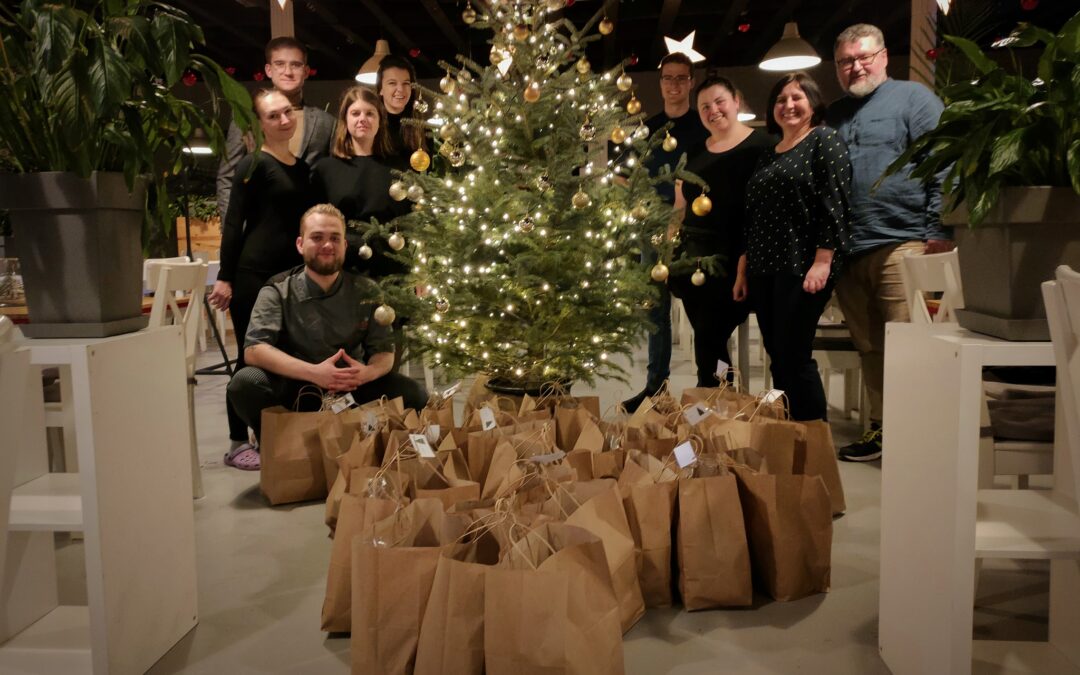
[865, 87]
[325, 268]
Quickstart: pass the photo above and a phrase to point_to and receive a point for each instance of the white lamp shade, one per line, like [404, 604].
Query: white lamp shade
[369, 72]
[791, 52]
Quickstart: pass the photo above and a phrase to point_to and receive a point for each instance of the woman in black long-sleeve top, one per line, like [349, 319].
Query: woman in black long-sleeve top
[271, 190]
[798, 203]
[356, 177]
[394, 83]
[725, 164]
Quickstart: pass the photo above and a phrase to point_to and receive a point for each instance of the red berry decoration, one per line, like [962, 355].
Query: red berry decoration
[569, 3]
[312, 72]
[231, 70]
[414, 52]
[932, 54]
[633, 59]
[259, 76]
[189, 79]
[744, 28]
[1029, 5]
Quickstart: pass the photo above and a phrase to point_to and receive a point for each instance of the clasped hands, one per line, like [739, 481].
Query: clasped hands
[330, 376]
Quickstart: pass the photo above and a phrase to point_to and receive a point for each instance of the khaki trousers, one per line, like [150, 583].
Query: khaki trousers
[871, 293]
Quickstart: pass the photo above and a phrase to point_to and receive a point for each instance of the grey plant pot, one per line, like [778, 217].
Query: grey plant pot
[80, 251]
[1004, 259]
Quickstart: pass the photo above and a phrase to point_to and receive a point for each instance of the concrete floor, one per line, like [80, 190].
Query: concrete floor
[262, 574]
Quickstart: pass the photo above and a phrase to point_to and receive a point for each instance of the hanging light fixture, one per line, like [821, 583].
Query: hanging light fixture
[368, 72]
[198, 144]
[944, 5]
[745, 113]
[791, 52]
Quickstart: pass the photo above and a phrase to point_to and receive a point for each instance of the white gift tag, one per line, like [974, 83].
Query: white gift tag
[371, 423]
[432, 433]
[685, 455]
[451, 390]
[721, 368]
[342, 403]
[696, 413]
[549, 458]
[487, 418]
[421, 445]
[772, 395]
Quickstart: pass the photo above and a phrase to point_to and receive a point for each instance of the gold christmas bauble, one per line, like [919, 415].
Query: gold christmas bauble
[587, 132]
[469, 15]
[624, 82]
[670, 143]
[633, 106]
[543, 182]
[456, 157]
[532, 92]
[526, 224]
[420, 160]
[442, 305]
[618, 135]
[583, 65]
[415, 193]
[659, 273]
[698, 278]
[446, 131]
[580, 200]
[396, 241]
[398, 191]
[385, 315]
[521, 32]
[640, 212]
[606, 26]
[702, 205]
[365, 252]
[496, 55]
[447, 84]
[420, 106]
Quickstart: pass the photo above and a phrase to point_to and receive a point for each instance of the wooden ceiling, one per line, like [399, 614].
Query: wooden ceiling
[341, 33]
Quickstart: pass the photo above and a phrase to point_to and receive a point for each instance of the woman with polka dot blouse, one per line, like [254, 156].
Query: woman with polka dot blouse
[798, 208]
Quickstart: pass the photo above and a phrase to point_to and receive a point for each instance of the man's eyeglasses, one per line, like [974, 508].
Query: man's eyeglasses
[675, 79]
[282, 66]
[864, 60]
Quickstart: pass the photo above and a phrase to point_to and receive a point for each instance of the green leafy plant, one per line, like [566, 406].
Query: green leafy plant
[90, 86]
[1003, 127]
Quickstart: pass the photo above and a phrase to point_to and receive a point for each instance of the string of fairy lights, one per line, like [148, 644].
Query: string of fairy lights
[523, 240]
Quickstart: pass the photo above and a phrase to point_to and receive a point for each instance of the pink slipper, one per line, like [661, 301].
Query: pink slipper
[244, 457]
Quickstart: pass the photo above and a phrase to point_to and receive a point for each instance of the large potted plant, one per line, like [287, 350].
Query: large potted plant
[1008, 144]
[90, 128]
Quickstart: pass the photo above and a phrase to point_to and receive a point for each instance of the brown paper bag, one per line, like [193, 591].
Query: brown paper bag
[789, 524]
[291, 456]
[776, 443]
[564, 617]
[356, 518]
[818, 458]
[650, 511]
[361, 453]
[392, 572]
[596, 506]
[713, 555]
[452, 631]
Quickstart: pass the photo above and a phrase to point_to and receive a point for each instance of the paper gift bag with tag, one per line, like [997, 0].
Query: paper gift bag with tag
[776, 443]
[596, 506]
[789, 524]
[445, 486]
[650, 511]
[815, 455]
[452, 631]
[392, 572]
[362, 452]
[355, 518]
[291, 455]
[713, 555]
[563, 617]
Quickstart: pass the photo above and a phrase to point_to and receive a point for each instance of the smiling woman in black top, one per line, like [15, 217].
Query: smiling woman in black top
[258, 236]
[356, 177]
[730, 154]
[798, 207]
[394, 82]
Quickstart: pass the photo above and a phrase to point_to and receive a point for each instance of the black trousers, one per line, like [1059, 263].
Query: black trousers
[788, 317]
[714, 316]
[253, 389]
[246, 287]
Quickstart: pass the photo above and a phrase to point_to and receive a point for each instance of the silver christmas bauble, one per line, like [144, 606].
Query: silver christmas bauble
[698, 278]
[670, 143]
[442, 305]
[469, 15]
[398, 191]
[526, 224]
[456, 157]
[365, 252]
[415, 193]
[420, 106]
[624, 82]
[385, 315]
[587, 131]
[543, 62]
[543, 182]
[396, 241]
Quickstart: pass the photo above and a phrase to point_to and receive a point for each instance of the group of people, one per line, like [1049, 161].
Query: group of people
[795, 215]
[302, 307]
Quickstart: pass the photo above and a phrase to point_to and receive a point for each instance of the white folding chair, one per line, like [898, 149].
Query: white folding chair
[172, 282]
[932, 273]
[1062, 299]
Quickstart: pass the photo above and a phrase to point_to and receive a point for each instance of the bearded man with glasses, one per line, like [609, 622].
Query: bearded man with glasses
[878, 119]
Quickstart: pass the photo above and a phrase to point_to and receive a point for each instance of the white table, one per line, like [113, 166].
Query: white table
[131, 499]
[935, 521]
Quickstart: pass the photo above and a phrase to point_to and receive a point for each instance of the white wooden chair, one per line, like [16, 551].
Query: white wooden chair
[1062, 298]
[172, 282]
[932, 273]
[834, 350]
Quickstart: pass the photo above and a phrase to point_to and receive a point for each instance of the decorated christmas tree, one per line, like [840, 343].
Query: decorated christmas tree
[524, 239]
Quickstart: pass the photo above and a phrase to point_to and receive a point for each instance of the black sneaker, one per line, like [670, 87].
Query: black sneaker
[866, 449]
